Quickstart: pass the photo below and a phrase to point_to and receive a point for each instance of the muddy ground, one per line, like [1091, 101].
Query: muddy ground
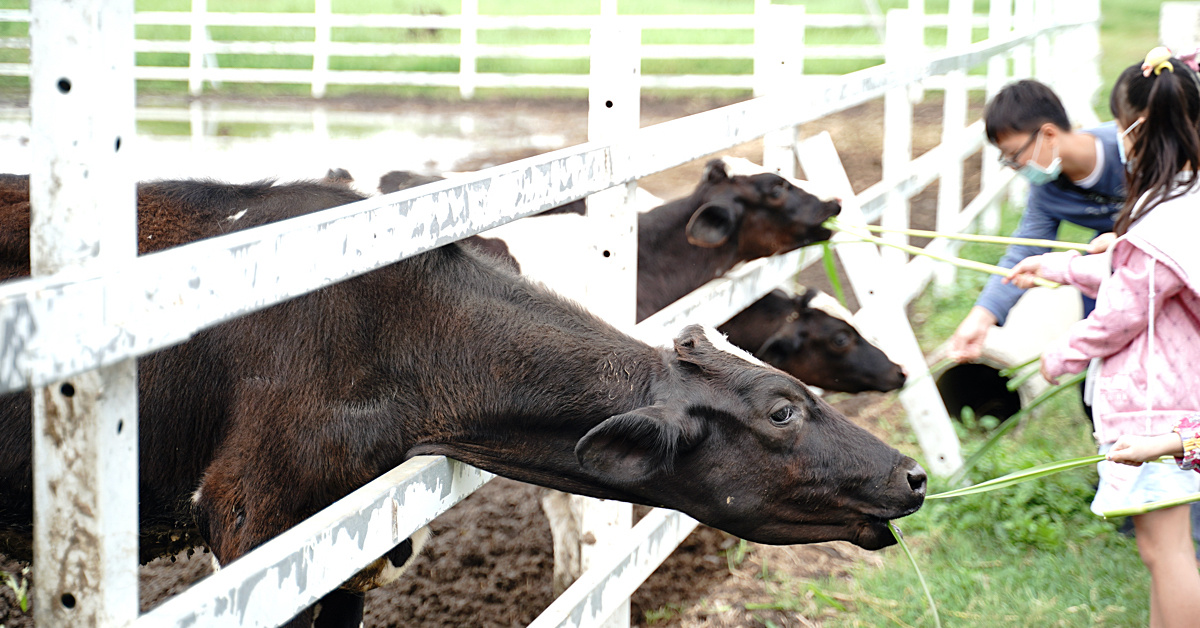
[489, 562]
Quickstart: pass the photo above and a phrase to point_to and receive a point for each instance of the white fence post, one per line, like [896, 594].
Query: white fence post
[199, 40]
[954, 121]
[1023, 20]
[1078, 87]
[321, 40]
[468, 48]
[82, 199]
[781, 29]
[614, 110]
[999, 25]
[902, 44]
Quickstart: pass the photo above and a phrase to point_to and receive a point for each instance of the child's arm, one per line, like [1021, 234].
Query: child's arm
[1134, 450]
[1188, 431]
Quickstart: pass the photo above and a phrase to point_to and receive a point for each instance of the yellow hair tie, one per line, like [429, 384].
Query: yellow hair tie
[1156, 61]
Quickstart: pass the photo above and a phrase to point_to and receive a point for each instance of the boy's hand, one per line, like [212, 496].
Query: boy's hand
[1100, 243]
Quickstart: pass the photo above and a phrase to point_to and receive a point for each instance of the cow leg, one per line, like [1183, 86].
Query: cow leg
[338, 609]
[564, 529]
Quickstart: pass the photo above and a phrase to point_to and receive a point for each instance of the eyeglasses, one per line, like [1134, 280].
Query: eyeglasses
[1011, 162]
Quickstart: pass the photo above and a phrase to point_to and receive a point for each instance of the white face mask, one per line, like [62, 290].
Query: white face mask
[1121, 143]
[1037, 175]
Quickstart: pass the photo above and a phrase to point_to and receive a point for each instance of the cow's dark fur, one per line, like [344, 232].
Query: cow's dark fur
[819, 349]
[270, 417]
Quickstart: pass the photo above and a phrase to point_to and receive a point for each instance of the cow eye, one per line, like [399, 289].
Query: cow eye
[784, 415]
[841, 340]
[778, 192]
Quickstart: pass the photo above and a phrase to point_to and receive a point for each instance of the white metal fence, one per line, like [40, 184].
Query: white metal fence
[332, 49]
[81, 316]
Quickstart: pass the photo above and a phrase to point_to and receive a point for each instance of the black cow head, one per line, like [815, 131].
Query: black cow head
[746, 448]
[764, 213]
[826, 351]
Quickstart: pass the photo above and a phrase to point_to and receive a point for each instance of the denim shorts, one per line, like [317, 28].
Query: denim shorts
[1123, 486]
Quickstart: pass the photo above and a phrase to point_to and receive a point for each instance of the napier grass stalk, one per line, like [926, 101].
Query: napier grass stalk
[986, 239]
[1016, 477]
[937, 621]
[1145, 508]
[859, 233]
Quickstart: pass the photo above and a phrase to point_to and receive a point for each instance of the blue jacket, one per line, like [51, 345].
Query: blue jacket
[1048, 206]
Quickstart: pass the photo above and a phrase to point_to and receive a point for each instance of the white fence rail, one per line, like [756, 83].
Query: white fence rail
[106, 317]
[327, 49]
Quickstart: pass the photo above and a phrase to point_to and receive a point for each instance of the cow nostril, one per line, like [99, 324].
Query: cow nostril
[917, 479]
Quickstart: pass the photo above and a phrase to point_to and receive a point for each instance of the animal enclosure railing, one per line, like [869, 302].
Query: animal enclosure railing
[335, 42]
[69, 323]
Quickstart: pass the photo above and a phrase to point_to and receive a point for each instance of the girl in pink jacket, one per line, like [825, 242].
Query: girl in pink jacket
[1142, 342]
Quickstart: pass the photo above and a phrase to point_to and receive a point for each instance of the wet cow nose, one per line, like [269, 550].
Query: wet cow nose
[917, 479]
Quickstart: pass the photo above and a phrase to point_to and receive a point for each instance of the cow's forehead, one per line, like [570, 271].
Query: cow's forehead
[721, 343]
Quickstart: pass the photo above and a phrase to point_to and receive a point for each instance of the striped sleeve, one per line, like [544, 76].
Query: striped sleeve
[1189, 432]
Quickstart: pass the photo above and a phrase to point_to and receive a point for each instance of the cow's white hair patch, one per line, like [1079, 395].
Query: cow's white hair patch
[828, 304]
[720, 342]
[236, 217]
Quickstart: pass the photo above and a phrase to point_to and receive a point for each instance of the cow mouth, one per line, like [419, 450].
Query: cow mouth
[874, 534]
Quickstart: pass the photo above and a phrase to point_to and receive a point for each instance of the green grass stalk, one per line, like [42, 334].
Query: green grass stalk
[1017, 477]
[961, 263]
[1145, 508]
[831, 272]
[937, 621]
[973, 237]
[1012, 370]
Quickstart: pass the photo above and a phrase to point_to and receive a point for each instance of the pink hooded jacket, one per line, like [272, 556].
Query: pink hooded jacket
[1146, 325]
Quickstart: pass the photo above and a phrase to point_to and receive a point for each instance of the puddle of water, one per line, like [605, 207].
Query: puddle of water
[240, 143]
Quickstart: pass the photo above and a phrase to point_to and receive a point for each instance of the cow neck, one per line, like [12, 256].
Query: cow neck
[542, 373]
[669, 266]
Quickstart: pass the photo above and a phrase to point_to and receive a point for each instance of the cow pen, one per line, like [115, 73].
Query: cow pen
[104, 313]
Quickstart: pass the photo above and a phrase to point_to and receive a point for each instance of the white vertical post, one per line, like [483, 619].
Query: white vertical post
[999, 25]
[468, 48]
[82, 198]
[900, 44]
[1023, 20]
[196, 50]
[881, 317]
[954, 122]
[781, 48]
[1043, 68]
[614, 109]
[1078, 88]
[321, 40]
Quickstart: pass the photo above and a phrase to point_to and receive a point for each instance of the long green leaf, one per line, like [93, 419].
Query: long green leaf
[831, 272]
[1012, 370]
[1145, 508]
[937, 621]
[1024, 475]
[1009, 424]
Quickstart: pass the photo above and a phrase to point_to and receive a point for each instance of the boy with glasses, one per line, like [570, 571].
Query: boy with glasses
[1076, 176]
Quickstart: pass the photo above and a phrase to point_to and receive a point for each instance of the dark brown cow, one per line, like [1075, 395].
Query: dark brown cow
[257, 423]
[820, 349]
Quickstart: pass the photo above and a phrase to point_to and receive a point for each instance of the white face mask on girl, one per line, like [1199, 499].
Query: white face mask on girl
[1121, 143]
[1037, 175]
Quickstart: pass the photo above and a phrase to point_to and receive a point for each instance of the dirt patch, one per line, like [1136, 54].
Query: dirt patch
[490, 561]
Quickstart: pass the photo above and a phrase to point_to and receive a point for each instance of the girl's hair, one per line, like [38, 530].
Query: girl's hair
[1166, 143]
[1023, 107]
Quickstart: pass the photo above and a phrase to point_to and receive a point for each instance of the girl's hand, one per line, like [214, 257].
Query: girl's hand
[1134, 450]
[1100, 243]
[1025, 272]
[1047, 375]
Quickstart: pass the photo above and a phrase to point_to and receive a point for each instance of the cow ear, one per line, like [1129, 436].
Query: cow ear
[711, 225]
[776, 350]
[633, 447]
[715, 171]
[803, 300]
